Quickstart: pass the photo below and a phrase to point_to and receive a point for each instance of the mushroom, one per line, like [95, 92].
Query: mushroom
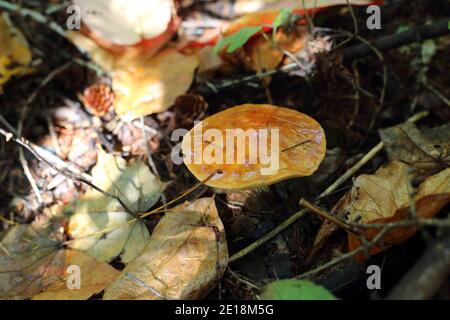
[120, 25]
[251, 146]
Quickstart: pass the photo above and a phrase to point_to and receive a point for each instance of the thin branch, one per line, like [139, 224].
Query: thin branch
[347, 255]
[25, 144]
[443, 98]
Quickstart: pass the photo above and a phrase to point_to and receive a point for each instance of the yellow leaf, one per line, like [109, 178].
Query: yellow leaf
[185, 258]
[94, 276]
[143, 83]
[15, 55]
[385, 197]
[33, 264]
[99, 225]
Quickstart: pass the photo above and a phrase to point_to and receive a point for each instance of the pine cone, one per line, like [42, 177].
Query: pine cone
[189, 108]
[98, 99]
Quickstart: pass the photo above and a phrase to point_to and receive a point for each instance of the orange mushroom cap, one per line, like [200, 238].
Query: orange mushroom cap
[235, 150]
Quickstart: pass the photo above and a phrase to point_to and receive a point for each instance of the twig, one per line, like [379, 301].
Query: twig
[48, 154]
[347, 255]
[357, 96]
[25, 144]
[438, 94]
[46, 80]
[334, 219]
[412, 35]
[29, 175]
[243, 279]
[288, 222]
[350, 226]
[150, 161]
[36, 16]
[308, 18]
[374, 241]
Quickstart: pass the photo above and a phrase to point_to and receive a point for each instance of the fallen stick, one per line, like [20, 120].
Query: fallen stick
[416, 34]
[9, 136]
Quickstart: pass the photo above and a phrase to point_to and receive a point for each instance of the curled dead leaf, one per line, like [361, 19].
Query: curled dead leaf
[386, 197]
[406, 143]
[254, 145]
[185, 257]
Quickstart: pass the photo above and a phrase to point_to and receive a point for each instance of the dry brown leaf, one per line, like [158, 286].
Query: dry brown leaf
[406, 143]
[386, 197]
[259, 54]
[15, 55]
[33, 264]
[94, 277]
[153, 86]
[143, 83]
[185, 258]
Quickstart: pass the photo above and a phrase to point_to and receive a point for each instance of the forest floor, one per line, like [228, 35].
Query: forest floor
[352, 99]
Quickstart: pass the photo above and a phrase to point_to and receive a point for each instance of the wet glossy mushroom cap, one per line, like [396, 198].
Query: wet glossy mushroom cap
[300, 148]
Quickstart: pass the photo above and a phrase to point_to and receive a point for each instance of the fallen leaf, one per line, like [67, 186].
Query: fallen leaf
[406, 143]
[154, 85]
[144, 83]
[94, 277]
[386, 197]
[15, 55]
[185, 258]
[25, 250]
[33, 264]
[260, 55]
[298, 152]
[126, 23]
[291, 289]
[99, 225]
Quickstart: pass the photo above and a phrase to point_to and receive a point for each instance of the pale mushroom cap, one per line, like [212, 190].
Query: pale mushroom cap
[300, 148]
[126, 22]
